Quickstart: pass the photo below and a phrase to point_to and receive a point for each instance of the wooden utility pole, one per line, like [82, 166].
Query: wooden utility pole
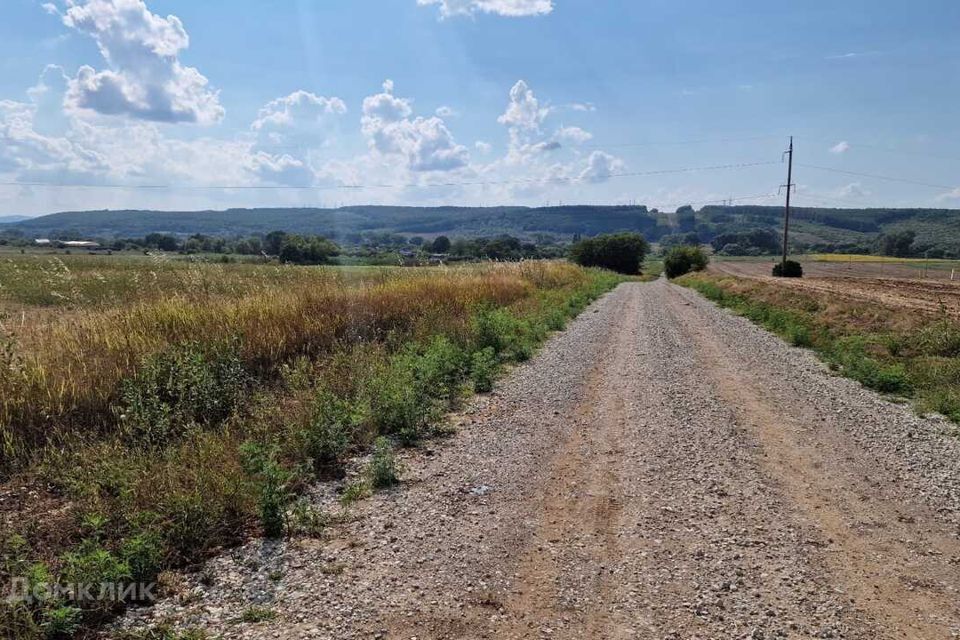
[786, 213]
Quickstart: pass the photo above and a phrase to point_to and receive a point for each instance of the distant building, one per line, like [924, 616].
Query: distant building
[88, 245]
[80, 244]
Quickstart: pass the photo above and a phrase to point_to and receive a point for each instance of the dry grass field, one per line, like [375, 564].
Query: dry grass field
[153, 410]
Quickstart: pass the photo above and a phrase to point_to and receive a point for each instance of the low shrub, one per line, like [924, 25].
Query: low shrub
[788, 269]
[190, 384]
[260, 461]
[507, 335]
[383, 470]
[331, 431]
[483, 369]
[61, 621]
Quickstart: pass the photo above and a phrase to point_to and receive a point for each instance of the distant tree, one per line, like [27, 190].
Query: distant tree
[273, 242]
[764, 241]
[681, 260]
[441, 244]
[686, 219]
[621, 252]
[899, 244]
[678, 239]
[416, 241]
[161, 241]
[308, 250]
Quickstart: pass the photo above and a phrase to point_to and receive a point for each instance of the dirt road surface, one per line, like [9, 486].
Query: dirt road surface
[662, 469]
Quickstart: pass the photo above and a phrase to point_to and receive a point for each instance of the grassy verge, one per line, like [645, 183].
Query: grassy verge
[150, 435]
[907, 355]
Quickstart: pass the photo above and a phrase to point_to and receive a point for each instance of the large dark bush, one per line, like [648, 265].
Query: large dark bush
[681, 260]
[621, 252]
[788, 269]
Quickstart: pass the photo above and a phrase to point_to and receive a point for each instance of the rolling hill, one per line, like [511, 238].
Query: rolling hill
[13, 219]
[817, 227]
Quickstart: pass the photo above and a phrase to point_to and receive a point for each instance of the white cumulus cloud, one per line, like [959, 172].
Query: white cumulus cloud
[509, 8]
[574, 135]
[146, 79]
[601, 167]
[524, 112]
[425, 143]
[300, 107]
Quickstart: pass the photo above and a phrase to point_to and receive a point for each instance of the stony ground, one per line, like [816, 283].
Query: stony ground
[662, 469]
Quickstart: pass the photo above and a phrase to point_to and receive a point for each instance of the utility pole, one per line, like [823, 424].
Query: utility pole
[786, 213]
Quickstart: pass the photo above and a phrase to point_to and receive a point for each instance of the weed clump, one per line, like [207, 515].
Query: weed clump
[383, 471]
[483, 369]
[188, 385]
[330, 432]
[260, 461]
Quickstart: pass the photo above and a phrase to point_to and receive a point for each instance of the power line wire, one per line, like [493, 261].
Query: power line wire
[853, 145]
[718, 201]
[649, 143]
[556, 180]
[877, 177]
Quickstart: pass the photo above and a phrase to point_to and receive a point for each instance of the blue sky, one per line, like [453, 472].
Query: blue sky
[319, 103]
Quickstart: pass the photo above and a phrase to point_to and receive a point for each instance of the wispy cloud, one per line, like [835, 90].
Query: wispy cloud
[851, 55]
[951, 195]
[508, 8]
[841, 147]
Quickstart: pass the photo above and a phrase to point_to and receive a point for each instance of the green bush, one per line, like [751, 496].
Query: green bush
[788, 269]
[143, 554]
[620, 252]
[508, 336]
[438, 369]
[61, 621]
[483, 369]
[396, 407]
[260, 461]
[92, 565]
[684, 259]
[330, 432]
[188, 385]
[383, 471]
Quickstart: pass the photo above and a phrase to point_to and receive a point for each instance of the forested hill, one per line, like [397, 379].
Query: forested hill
[814, 227]
[352, 220]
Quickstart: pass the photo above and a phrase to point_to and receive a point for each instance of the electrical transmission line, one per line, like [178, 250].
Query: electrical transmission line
[555, 180]
[877, 177]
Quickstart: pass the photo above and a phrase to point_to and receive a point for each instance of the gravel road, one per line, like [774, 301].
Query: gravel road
[662, 469]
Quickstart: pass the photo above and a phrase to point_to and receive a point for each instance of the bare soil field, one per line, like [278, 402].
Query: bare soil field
[662, 469]
[889, 284]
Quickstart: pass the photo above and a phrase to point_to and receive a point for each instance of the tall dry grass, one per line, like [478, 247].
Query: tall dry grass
[60, 377]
